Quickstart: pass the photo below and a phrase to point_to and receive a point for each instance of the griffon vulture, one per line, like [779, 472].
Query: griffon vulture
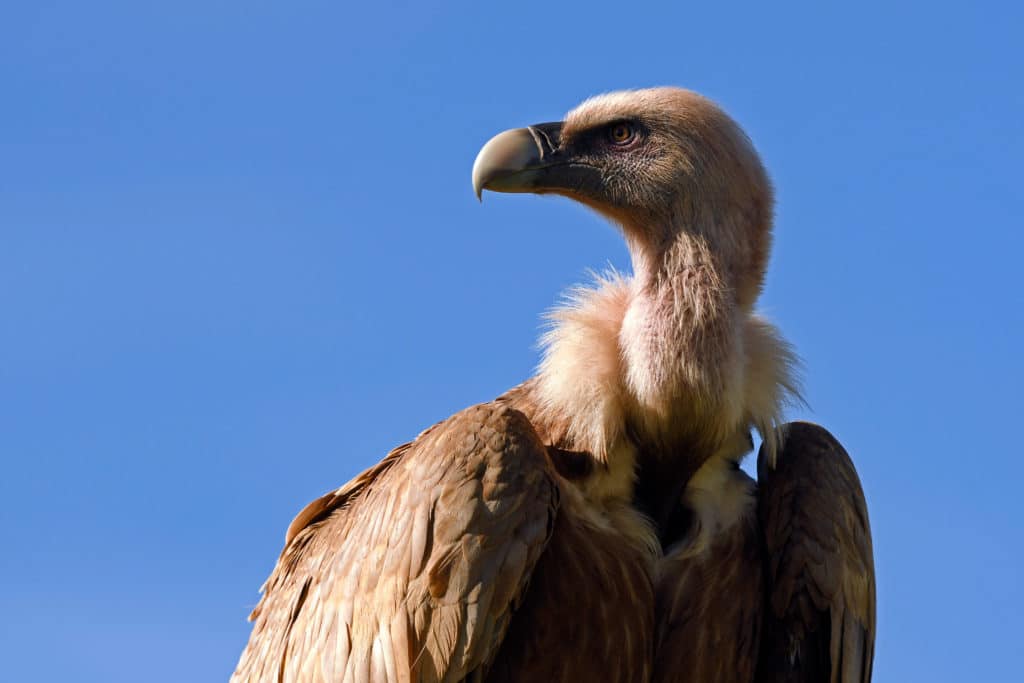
[592, 524]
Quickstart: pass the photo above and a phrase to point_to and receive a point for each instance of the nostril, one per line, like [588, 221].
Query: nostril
[548, 137]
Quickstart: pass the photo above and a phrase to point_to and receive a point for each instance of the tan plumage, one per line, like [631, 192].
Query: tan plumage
[592, 523]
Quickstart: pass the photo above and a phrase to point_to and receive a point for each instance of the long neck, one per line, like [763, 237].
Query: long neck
[681, 349]
[664, 369]
[679, 334]
[653, 360]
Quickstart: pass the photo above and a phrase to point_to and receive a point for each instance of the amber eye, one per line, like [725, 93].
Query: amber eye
[621, 133]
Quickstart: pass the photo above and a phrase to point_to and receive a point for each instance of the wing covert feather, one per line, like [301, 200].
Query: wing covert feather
[819, 570]
[411, 571]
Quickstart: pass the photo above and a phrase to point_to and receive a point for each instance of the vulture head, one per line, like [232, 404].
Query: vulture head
[657, 162]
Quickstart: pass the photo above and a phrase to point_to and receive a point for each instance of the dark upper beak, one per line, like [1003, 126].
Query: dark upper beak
[528, 160]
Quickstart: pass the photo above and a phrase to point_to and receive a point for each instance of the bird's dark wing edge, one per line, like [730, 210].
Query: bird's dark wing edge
[819, 622]
[411, 571]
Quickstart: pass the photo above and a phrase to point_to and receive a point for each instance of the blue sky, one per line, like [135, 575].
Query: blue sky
[240, 259]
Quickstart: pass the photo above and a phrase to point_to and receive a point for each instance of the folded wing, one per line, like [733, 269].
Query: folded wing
[411, 571]
[819, 622]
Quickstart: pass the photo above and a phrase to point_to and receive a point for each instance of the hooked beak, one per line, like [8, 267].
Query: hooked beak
[529, 160]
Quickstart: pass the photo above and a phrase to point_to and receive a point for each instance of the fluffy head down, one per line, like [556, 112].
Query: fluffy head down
[683, 166]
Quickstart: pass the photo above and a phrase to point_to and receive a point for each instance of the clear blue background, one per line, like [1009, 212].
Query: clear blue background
[240, 259]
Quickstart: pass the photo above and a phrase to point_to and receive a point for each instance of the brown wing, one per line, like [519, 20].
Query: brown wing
[820, 576]
[411, 571]
[709, 603]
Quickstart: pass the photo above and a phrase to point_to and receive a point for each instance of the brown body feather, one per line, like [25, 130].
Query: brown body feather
[784, 594]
